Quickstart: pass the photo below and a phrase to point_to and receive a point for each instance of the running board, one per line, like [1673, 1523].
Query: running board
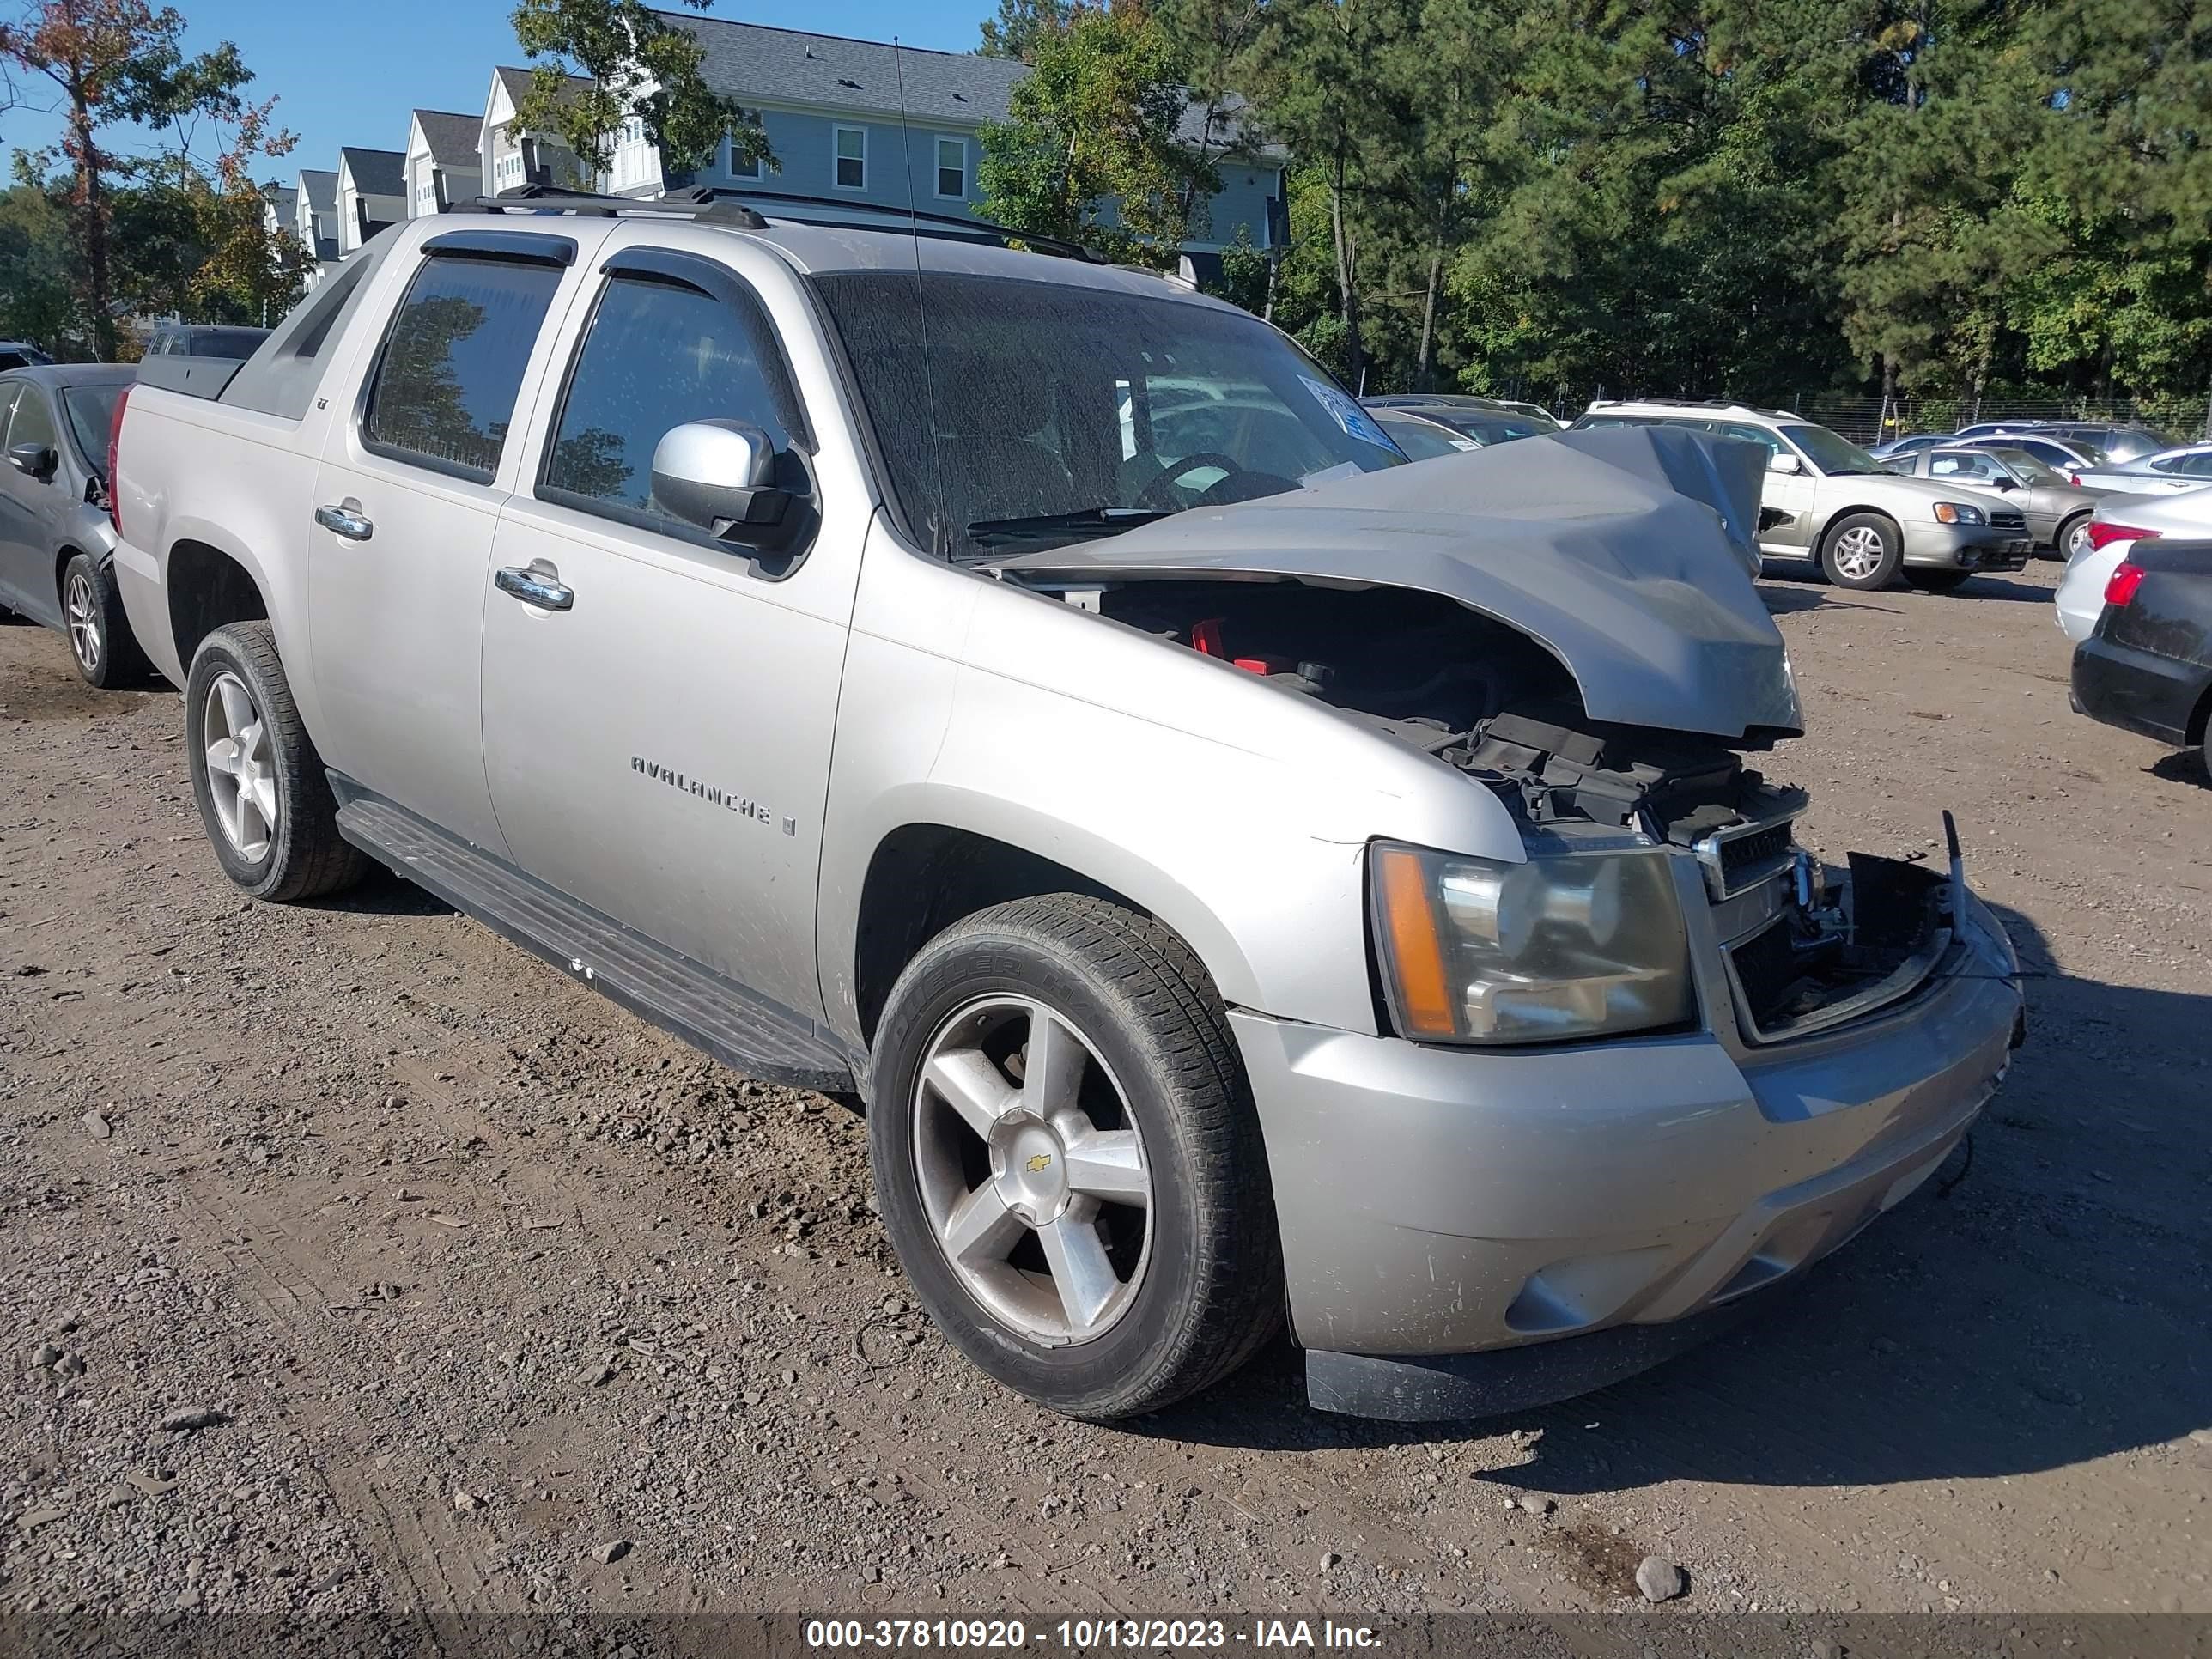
[742, 1030]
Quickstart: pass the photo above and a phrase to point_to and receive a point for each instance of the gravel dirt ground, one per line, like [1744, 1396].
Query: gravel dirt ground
[351, 1259]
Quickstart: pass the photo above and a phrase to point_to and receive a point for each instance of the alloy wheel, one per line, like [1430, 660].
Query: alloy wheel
[82, 611]
[240, 768]
[1032, 1170]
[1858, 552]
[2077, 542]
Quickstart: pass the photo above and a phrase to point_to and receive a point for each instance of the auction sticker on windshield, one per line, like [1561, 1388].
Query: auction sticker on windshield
[1348, 414]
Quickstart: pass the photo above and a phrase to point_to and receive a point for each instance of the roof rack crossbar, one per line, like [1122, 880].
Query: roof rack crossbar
[538, 198]
[769, 201]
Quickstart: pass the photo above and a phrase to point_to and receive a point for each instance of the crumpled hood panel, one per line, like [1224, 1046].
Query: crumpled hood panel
[1616, 549]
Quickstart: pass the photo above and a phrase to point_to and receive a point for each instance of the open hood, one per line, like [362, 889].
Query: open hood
[1622, 551]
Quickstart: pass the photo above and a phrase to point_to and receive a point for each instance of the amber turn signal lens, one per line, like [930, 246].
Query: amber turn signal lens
[1424, 991]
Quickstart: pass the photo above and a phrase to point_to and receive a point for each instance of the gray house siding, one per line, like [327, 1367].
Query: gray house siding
[804, 146]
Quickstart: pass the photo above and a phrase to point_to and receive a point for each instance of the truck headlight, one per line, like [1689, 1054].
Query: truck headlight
[1564, 946]
[1960, 513]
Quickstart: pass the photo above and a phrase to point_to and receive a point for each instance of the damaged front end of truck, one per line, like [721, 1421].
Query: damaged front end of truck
[1568, 621]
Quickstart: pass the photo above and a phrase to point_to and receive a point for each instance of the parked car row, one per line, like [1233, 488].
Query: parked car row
[1034, 698]
[2138, 606]
[56, 543]
[1828, 500]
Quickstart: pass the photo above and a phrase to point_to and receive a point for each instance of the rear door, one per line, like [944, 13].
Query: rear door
[407, 499]
[660, 747]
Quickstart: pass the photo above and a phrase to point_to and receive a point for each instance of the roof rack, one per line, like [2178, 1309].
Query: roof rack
[710, 205]
[541, 199]
[792, 208]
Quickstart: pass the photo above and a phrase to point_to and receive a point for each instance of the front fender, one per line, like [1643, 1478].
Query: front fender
[1103, 749]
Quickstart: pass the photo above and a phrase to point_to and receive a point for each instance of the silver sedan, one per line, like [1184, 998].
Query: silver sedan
[2058, 511]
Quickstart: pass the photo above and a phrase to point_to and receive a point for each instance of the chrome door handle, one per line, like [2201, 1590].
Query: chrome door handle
[349, 522]
[539, 584]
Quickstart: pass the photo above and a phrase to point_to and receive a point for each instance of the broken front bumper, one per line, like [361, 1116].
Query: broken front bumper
[1437, 1203]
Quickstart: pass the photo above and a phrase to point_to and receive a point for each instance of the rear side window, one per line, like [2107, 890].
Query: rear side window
[452, 363]
[659, 355]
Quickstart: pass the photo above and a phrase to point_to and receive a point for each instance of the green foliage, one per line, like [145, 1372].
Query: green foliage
[1760, 197]
[598, 63]
[1090, 152]
[36, 301]
[1021, 25]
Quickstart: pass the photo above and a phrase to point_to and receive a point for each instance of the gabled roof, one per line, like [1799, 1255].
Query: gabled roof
[322, 189]
[375, 172]
[451, 138]
[516, 81]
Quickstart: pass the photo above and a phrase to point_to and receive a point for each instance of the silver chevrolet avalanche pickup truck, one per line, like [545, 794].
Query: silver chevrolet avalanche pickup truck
[1246, 876]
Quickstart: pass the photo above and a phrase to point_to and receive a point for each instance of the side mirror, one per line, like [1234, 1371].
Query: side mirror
[37, 461]
[719, 475]
[1783, 461]
[2005, 481]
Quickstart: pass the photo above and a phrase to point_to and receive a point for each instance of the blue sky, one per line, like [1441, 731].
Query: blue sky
[347, 73]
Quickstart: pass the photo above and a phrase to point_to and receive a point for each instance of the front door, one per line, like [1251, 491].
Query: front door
[29, 507]
[657, 709]
[399, 554]
[1787, 518]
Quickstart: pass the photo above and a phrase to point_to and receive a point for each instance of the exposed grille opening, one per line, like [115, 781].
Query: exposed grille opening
[1790, 980]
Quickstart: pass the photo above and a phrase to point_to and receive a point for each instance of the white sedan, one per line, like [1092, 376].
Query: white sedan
[2188, 467]
[2121, 522]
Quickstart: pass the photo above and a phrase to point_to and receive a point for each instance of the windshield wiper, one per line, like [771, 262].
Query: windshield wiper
[1081, 524]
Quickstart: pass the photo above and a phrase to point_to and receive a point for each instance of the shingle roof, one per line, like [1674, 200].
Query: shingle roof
[751, 62]
[451, 138]
[517, 81]
[747, 61]
[376, 172]
[322, 189]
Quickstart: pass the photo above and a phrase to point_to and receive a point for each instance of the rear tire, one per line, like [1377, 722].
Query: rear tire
[101, 644]
[1099, 1308]
[1862, 551]
[1938, 581]
[262, 790]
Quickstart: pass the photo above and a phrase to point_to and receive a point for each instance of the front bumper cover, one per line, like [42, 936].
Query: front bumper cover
[1966, 547]
[1438, 1202]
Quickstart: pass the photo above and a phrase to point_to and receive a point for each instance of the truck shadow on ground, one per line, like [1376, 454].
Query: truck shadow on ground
[2050, 1309]
[2183, 766]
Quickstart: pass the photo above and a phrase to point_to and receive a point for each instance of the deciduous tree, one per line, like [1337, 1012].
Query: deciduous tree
[639, 65]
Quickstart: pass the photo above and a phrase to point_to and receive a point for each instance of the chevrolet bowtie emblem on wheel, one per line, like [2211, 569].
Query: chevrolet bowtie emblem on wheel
[1041, 1162]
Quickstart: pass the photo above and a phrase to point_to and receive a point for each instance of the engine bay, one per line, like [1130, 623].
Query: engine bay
[1805, 947]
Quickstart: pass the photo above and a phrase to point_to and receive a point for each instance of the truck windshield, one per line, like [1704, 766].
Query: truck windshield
[1041, 413]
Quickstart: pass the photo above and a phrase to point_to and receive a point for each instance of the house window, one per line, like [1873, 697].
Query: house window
[852, 158]
[735, 164]
[952, 168]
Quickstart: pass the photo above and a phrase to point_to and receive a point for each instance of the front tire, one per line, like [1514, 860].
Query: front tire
[2073, 537]
[262, 790]
[1862, 551]
[101, 644]
[1067, 1158]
